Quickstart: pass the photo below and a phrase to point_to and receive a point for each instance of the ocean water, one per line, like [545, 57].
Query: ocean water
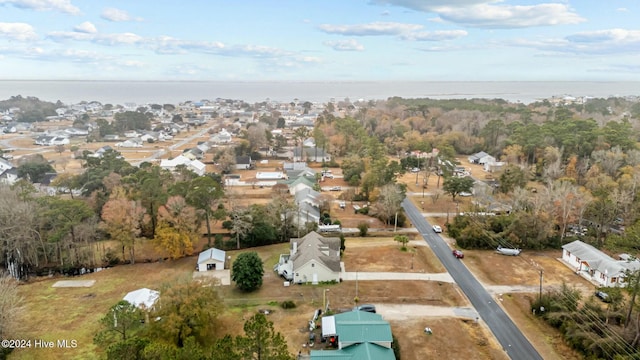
[174, 92]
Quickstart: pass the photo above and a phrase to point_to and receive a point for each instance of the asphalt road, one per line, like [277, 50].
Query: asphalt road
[514, 343]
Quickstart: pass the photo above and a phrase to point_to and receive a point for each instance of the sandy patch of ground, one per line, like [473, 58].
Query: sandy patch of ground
[222, 276]
[73, 283]
[412, 311]
[384, 254]
[492, 268]
[451, 338]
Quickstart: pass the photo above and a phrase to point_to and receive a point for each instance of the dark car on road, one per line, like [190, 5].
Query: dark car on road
[458, 254]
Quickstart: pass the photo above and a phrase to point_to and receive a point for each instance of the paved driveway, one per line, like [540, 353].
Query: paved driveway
[364, 276]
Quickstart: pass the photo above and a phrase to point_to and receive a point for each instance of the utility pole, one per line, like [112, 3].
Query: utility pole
[395, 227]
[540, 296]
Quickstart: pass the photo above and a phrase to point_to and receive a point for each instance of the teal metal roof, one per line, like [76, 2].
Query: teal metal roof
[361, 326]
[364, 351]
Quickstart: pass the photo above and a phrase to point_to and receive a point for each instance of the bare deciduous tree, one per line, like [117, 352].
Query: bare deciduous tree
[10, 306]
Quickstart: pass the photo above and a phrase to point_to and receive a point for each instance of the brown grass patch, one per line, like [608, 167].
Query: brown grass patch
[544, 338]
[451, 339]
[384, 254]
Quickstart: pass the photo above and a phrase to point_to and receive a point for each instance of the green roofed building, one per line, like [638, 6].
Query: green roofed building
[360, 336]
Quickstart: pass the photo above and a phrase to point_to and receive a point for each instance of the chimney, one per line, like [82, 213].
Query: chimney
[295, 248]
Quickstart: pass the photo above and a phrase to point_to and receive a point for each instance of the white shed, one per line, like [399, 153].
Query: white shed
[142, 298]
[211, 259]
[270, 175]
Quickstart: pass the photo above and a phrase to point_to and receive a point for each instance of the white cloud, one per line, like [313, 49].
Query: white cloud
[619, 36]
[17, 31]
[601, 42]
[412, 32]
[64, 6]
[70, 35]
[370, 29]
[429, 6]
[132, 63]
[492, 13]
[121, 38]
[507, 16]
[435, 35]
[103, 39]
[58, 55]
[81, 56]
[622, 9]
[607, 41]
[117, 15]
[345, 45]
[309, 59]
[86, 27]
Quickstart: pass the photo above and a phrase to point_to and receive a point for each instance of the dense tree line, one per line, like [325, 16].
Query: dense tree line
[114, 201]
[31, 108]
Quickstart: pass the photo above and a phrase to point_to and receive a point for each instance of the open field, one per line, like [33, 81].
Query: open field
[73, 313]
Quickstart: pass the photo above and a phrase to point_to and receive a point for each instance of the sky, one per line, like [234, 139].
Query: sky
[320, 40]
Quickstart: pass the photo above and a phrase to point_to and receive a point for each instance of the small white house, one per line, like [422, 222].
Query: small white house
[143, 298]
[9, 176]
[211, 259]
[171, 164]
[197, 167]
[493, 166]
[130, 143]
[270, 175]
[222, 137]
[481, 158]
[596, 266]
[315, 259]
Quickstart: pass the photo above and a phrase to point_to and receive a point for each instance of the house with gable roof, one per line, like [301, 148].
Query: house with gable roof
[8, 172]
[144, 299]
[308, 207]
[312, 154]
[358, 335]
[298, 184]
[197, 167]
[596, 266]
[481, 158]
[222, 137]
[244, 163]
[211, 259]
[312, 259]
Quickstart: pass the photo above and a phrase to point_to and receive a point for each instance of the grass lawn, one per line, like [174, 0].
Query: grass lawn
[73, 313]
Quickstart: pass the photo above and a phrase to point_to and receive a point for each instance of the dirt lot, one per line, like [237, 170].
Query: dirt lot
[361, 255]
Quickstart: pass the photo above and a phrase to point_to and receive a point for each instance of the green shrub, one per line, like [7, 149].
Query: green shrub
[111, 257]
[364, 228]
[288, 304]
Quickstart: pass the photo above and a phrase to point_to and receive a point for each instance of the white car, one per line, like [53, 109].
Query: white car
[437, 228]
